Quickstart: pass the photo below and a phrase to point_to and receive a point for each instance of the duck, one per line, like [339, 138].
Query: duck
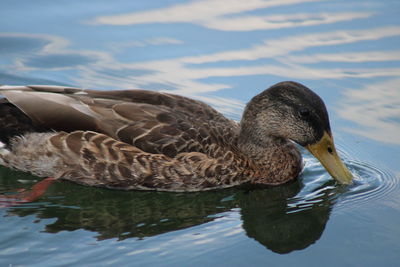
[148, 140]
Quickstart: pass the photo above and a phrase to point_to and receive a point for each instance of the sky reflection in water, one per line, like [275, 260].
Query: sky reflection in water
[223, 52]
[202, 48]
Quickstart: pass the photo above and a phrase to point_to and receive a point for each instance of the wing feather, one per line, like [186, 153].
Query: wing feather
[152, 121]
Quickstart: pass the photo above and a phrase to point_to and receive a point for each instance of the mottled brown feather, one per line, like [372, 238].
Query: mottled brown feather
[145, 140]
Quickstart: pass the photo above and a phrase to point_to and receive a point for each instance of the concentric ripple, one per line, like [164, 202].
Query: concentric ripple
[370, 183]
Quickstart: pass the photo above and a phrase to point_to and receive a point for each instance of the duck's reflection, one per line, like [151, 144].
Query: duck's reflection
[267, 218]
[268, 214]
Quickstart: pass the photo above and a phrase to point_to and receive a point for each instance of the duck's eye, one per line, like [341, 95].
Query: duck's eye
[304, 112]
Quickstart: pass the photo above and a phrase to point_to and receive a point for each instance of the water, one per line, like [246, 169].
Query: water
[222, 52]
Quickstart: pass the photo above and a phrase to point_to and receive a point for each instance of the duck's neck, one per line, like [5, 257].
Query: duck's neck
[274, 160]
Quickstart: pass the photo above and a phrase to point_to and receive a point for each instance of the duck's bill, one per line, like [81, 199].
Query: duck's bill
[325, 151]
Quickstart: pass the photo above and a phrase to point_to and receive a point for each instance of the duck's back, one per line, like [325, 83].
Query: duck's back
[151, 121]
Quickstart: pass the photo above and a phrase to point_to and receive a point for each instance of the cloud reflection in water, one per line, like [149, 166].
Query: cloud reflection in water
[376, 109]
[221, 52]
[288, 55]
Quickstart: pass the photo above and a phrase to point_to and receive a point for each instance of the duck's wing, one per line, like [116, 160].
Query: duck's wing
[154, 122]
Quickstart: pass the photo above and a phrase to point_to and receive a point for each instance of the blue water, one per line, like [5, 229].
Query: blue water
[221, 52]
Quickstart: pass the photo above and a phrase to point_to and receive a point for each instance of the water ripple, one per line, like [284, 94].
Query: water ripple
[370, 184]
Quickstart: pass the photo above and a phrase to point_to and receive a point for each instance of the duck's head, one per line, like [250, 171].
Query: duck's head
[289, 110]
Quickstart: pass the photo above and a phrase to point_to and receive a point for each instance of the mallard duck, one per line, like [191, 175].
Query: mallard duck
[146, 140]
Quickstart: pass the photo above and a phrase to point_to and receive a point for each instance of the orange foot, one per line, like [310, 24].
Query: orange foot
[24, 196]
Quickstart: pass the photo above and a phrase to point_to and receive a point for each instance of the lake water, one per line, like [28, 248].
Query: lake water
[222, 52]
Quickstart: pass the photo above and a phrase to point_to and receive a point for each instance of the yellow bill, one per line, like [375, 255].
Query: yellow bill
[325, 152]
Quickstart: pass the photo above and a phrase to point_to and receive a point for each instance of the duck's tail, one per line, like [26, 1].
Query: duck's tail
[13, 122]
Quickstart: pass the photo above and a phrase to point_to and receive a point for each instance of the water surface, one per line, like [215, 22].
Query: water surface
[221, 52]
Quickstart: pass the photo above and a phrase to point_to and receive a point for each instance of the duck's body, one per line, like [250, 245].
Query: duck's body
[146, 140]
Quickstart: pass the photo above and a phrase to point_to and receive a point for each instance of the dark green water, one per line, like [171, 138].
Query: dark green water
[222, 52]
